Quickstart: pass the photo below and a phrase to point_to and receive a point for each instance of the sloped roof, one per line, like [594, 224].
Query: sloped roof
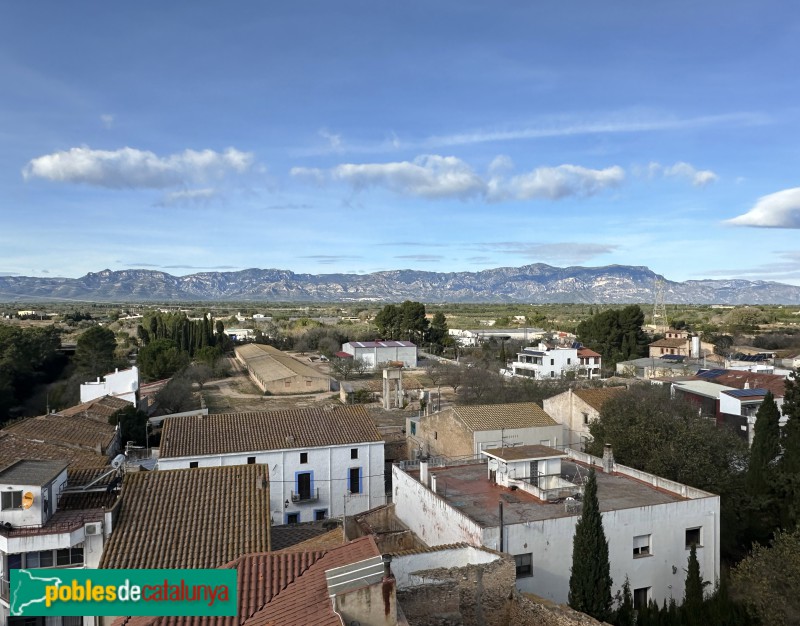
[268, 430]
[31, 472]
[497, 416]
[381, 344]
[587, 352]
[670, 343]
[739, 379]
[66, 429]
[279, 589]
[14, 448]
[189, 518]
[99, 409]
[596, 398]
[269, 363]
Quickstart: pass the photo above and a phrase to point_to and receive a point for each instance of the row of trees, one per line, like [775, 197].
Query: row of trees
[408, 322]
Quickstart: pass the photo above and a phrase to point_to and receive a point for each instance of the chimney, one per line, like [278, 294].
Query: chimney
[608, 459]
[423, 470]
[433, 483]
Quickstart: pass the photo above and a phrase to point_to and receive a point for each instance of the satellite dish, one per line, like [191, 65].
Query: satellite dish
[27, 500]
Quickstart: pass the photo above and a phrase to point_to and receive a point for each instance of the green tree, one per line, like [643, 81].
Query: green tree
[789, 465]
[438, 329]
[625, 614]
[94, 352]
[161, 359]
[762, 479]
[132, 425]
[590, 581]
[616, 334]
[767, 580]
[693, 593]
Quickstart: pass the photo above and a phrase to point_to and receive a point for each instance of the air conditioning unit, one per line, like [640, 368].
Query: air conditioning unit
[95, 528]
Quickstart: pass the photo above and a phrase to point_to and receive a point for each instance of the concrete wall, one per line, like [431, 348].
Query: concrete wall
[330, 466]
[442, 434]
[487, 439]
[122, 385]
[568, 409]
[470, 594]
[294, 384]
[408, 569]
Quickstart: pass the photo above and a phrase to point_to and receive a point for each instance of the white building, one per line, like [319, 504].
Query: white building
[123, 385]
[44, 526]
[526, 501]
[376, 352]
[475, 337]
[543, 362]
[323, 462]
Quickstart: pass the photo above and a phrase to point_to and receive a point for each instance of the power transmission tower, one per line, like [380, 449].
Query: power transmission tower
[659, 308]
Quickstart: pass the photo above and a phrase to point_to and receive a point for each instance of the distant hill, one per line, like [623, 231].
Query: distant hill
[536, 283]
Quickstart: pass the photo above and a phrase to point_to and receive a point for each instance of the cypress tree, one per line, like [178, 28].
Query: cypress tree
[789, 465]
[766, 447]
[590, 580]
[625, 615]
[693, 594]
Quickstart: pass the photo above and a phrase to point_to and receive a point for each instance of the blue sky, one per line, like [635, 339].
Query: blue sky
[328, 137]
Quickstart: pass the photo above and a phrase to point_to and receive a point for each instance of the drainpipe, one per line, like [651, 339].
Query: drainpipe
[502, 543]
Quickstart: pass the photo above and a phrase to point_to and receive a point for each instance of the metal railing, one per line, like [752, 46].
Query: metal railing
[50, 528]
[309, 496]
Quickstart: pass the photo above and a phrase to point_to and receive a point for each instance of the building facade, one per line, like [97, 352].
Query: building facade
[526, 502]
[323, 462]
[121, 384]
[546, 363]
[374, 353]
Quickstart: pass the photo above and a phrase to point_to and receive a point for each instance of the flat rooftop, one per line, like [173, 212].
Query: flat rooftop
[467, 488]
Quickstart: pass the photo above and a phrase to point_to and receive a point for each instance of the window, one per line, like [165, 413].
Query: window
[288, 383]
[354, 480]
[435, 434]
[304, 486]
[641, 546]
[12, 500]
[552, 374]
[569, 361]
[552, 361]
[413, 428]
[69, 556]
[524, 565]
[320, 515]
[251, 460]
[293, 518]
[641, 597]
[308, 383]
[694, 537]
[304, 457]
[353, 453]
[193, 464]
[585, 418]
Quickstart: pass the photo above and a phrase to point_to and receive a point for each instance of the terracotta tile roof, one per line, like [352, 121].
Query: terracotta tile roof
[279, 588]
[189, 518]
[273, 430]
[738, 379]
[596, 398]
[99, 409]
[326, 541]
[587, 352]
[66, 429]
[496, 416]
[269, 363]
[670, 343]
[14, 448]
[82, 500]
[289, 536]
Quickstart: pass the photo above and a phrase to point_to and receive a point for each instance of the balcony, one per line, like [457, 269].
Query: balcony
[305, 496]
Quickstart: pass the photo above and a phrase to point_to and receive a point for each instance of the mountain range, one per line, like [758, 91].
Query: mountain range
[535, 284]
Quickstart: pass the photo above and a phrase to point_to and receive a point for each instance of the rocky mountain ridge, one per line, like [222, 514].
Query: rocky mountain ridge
[535, 284]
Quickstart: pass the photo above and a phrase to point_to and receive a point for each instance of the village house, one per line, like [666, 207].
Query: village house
[525, 501]
[120, 384]
[324, 462]
[544, 362]
[461, 431]
[576, 409]
[48, 523]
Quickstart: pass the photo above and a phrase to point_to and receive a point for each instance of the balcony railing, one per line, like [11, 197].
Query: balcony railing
[306, 496]
[4, 594]
[50, 528]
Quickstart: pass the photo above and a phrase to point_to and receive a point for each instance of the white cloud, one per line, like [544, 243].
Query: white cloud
[429, 176]
[132, 168]
[435, 176]
[334, 140]
[776, 210]
[699, 178]
[560, 252]
[108, 120]
[556, 182]
[187, 197]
